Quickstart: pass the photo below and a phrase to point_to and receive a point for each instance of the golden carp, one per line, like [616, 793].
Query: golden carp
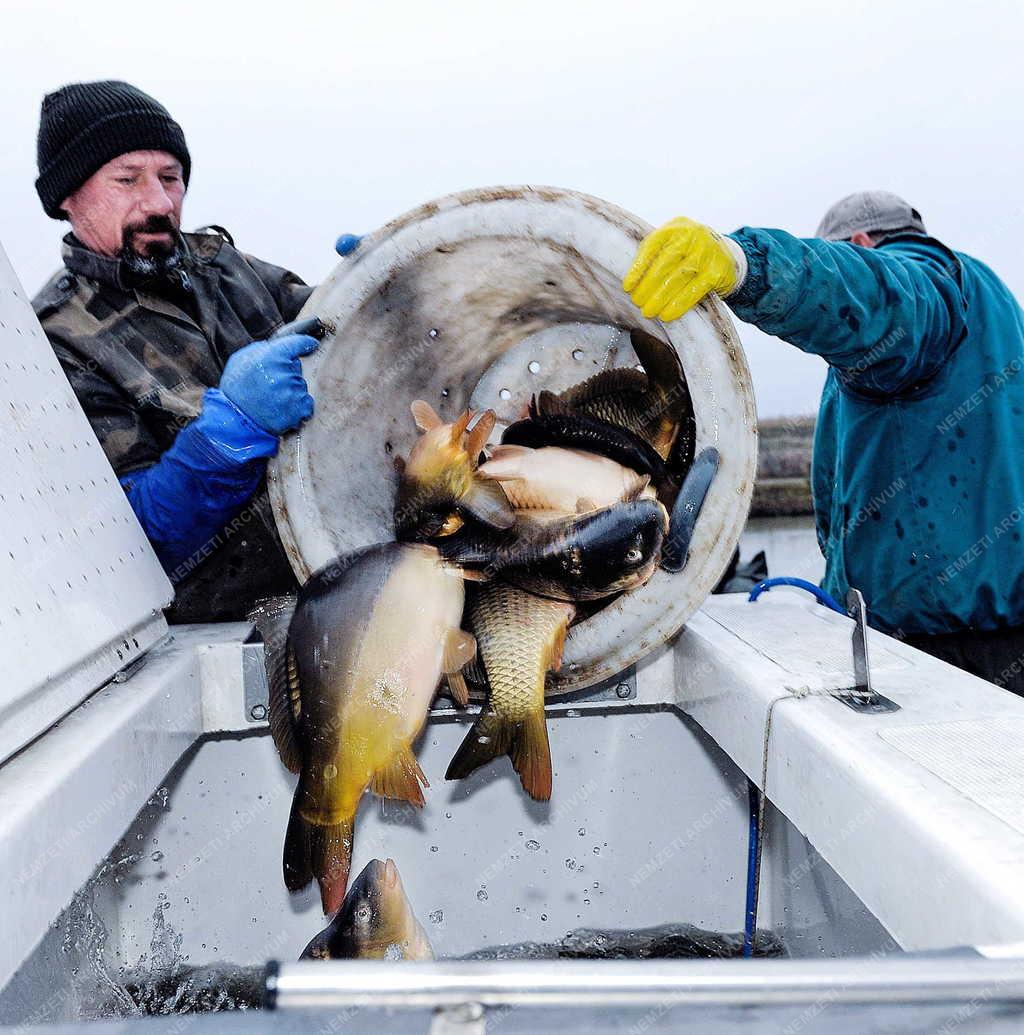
[520, 639]
[440, 481]
[375, 922]
[370, 637]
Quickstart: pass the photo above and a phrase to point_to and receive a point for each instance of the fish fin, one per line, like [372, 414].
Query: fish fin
[477, 438]
[659, 360]
[272, 618]
[486, 501]
[585, 504]
[475, 576]
[298, 870]
[458, 688]
[285, 710]
[331, 856]
[636, 487]
[558, 643]
[548, 404]
[459, 427]
[401, 779]
[321, 851]
[524, 741]
[459, 650]
[425, 415]
[506, 462]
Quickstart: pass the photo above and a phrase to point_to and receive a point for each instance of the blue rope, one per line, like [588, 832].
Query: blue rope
[750, 914]
[822, 597]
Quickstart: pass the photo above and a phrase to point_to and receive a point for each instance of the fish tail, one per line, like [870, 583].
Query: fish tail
[331, 855]
[297, 869]
[321, 851]
[401, 778]
[525, 741]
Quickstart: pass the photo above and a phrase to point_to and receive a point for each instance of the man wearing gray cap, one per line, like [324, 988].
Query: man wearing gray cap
[918, 472]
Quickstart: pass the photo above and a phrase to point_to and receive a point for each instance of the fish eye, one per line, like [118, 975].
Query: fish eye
[634, 555]
[451, 524]
[362, 915]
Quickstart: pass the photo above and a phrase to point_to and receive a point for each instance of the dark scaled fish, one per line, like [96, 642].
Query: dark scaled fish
[519, 639]
[585, 557]
[371, 635]
[653, 403]
[375, 922]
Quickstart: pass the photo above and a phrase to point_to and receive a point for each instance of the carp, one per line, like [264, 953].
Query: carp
[520, 639]
[371, 634]
[375, 922]
[439, 484]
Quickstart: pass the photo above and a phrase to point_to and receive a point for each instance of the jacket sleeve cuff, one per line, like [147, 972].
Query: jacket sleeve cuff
[755, 283]
[228, 434]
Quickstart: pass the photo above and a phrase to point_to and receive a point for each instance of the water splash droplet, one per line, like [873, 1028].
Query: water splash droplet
[437, 916]
[482, 895]
[533, 845]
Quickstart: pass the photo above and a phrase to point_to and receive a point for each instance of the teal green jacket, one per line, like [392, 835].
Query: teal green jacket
[918, 470]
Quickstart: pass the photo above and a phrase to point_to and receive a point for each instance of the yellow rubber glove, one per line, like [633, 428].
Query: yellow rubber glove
[678, 264]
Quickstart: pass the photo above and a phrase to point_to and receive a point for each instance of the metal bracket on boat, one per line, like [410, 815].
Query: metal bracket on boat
[862, 696]
[255, 684]
[686, 509]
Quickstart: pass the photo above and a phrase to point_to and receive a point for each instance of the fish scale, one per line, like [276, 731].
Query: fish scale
[517, 634]
[520, 638]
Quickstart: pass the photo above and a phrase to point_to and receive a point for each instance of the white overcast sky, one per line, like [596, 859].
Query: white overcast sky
[308, 120]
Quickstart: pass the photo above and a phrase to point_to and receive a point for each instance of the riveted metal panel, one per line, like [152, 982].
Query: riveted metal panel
[81, 590]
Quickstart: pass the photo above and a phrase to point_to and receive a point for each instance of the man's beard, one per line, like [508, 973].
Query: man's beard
[160, 258]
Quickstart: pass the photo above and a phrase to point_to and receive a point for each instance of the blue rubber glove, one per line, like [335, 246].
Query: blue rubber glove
[185, 499]
[264, 380]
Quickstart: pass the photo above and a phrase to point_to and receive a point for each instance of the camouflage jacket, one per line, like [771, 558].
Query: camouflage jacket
[139, 357]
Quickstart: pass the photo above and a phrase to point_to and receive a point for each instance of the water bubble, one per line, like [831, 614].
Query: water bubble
[582, 832]
[444, 393]
[482, 895]
[573, 713]
[433, 848]
[505, 394]
[577, 354]
[543, 916]
[597, 849]
[534, 366]
[570, 864]
[586, 901]
[597, 884]
[433, 332]
[157, 856]
[436, 917]
[533, 845]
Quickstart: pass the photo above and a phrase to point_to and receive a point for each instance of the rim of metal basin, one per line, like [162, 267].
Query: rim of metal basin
[424, 308]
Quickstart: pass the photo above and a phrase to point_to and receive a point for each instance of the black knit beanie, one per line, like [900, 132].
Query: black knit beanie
[83, 126]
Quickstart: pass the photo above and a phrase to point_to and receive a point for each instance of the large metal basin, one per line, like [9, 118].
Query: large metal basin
[483, 298]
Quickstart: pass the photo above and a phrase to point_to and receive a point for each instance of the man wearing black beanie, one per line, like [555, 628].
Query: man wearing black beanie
[163, 336]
